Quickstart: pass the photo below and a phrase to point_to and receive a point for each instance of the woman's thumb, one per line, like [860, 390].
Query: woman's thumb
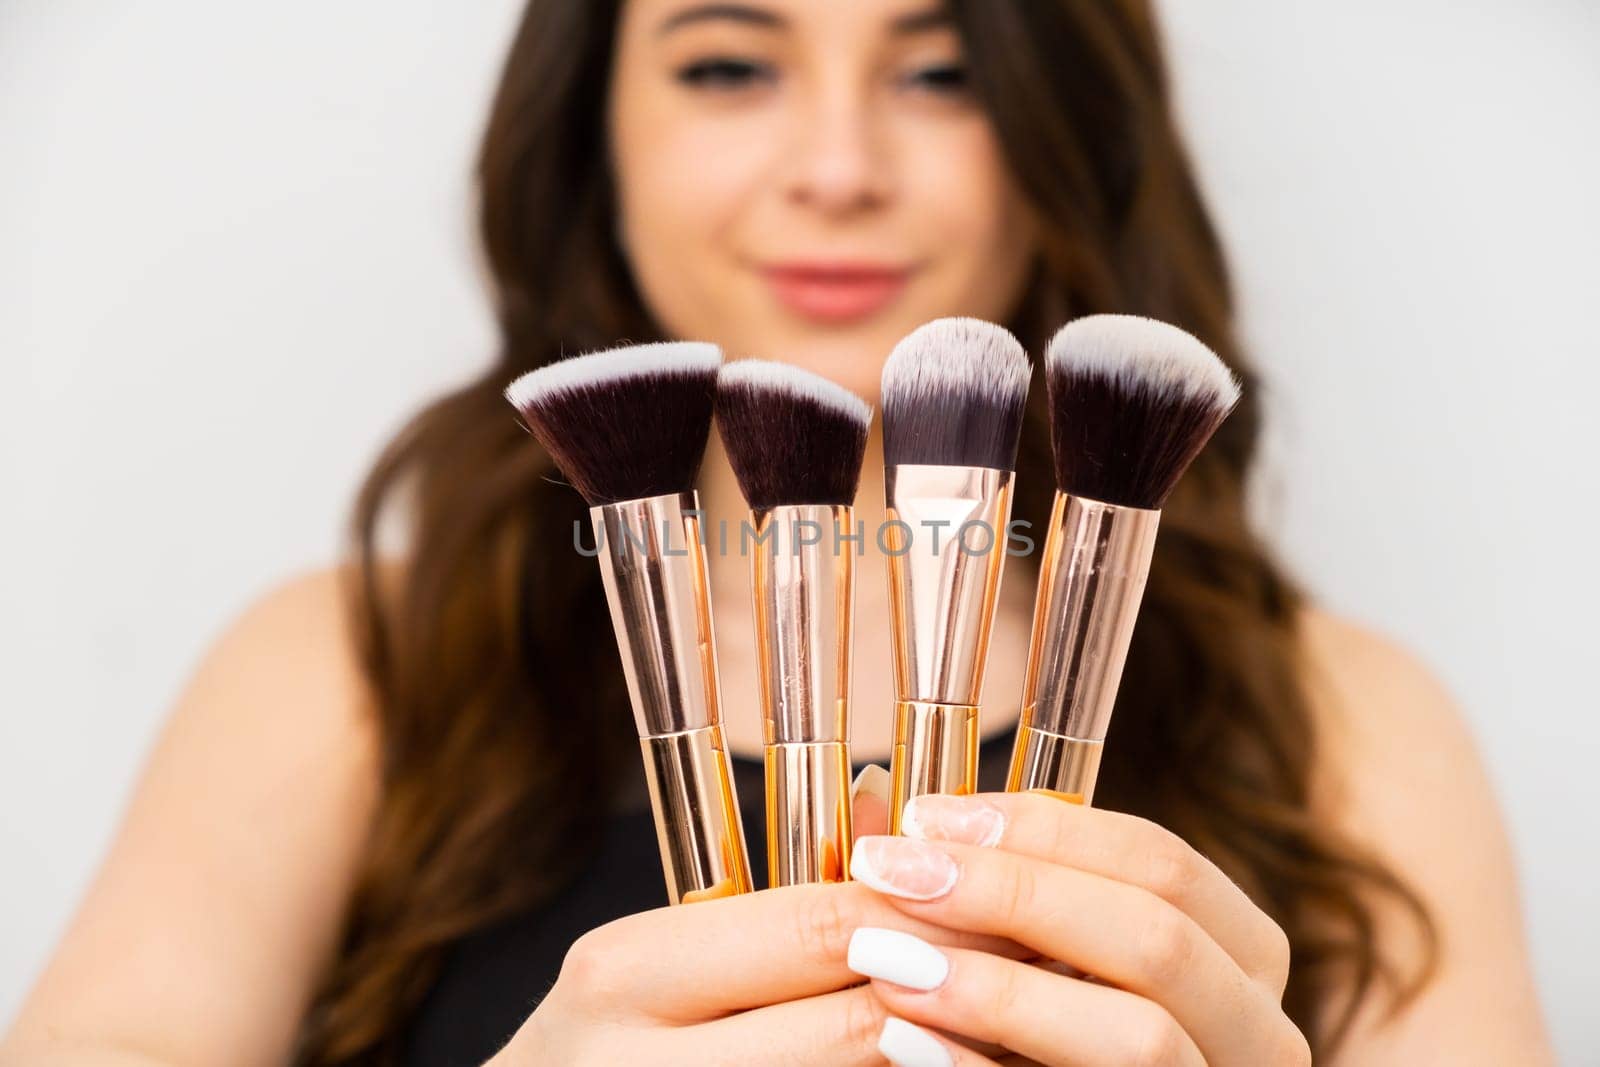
[869, 800]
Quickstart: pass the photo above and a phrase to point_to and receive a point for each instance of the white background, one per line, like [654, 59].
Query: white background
[236, 250]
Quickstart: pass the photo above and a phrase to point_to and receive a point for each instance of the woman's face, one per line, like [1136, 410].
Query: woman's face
[808, 180]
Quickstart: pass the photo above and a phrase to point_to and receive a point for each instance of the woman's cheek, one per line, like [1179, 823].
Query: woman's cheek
[686, 152]
[676, 210]
[981, 224]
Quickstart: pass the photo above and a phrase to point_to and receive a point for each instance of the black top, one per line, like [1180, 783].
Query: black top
[492, 979]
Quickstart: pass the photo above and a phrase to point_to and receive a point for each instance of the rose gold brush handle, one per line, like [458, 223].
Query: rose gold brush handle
[946, 533]
[653, 565]
[1091, 581]
[803, 586]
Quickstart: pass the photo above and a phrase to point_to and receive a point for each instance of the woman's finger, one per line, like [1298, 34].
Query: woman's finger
[869, 800]
[1122, 847]
[851, 1026]
[1043, 1016]
[1116, 931]
[720, 956]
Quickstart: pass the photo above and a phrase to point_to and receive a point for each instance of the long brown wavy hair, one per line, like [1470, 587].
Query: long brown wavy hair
[494, 714]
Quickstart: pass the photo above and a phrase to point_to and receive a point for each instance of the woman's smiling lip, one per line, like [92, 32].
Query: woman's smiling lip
[835, 290]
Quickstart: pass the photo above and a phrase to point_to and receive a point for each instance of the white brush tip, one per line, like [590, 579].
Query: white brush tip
[613, 364]
[1137, 351]
[965, 354]
[787, 378]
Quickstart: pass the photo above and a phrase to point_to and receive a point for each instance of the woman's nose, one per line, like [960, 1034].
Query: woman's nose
[838, 164]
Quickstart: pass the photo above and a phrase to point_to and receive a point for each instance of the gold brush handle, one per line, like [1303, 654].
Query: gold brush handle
[697, 818]
[935, 751]
[1064, 766]
[808, 813]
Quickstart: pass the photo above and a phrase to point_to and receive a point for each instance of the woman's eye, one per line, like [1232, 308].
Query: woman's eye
[724, 73]
[950, 78]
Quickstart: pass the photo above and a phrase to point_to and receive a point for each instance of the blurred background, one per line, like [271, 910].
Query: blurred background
[236, 250]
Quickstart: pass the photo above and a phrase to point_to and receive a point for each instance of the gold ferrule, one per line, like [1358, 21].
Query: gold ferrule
[945, 535]
[935, 751]
[808, 813]
[653, 565]
[804, 592]
[1066, 766]
[1091, 581]
[697, 817]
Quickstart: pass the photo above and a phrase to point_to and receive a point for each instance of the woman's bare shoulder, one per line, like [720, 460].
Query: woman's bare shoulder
[306, 616]
[1397, 761]
[289, 656]
[1400, 773]
[235, 858]
[1367, 688]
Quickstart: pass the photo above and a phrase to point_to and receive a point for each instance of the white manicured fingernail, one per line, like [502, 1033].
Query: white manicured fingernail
[905, 1045]
[964, 819]
[873, 781]
[897, 957]
[903, 867]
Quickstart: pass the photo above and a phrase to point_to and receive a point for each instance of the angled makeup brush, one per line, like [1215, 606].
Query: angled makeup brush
[1132, 402]
[628, 428]
[953, 394]
[796, 441]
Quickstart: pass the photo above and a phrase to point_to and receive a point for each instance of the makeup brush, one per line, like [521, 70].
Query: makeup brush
[628, 428]
[1132, 402]
[953, 394]
[795, 441]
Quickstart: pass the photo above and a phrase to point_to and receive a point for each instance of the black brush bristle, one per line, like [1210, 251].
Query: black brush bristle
[625, 423]
[1132, 402]
[792, 437]
[953, 395]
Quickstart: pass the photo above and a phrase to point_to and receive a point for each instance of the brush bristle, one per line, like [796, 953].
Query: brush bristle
[792, 437]
[625, 423]
[1132, 402]
[953, 394]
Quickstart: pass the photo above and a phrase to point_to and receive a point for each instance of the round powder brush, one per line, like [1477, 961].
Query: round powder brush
[1132, 402]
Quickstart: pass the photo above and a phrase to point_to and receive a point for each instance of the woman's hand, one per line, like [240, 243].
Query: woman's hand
[730, 980]
[1187, 969]
[754, 978]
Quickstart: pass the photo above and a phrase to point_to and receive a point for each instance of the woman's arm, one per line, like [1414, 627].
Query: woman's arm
[222, 895]
[1404, 777]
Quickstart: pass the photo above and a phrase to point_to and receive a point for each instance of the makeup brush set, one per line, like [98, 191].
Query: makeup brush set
[1132, 401]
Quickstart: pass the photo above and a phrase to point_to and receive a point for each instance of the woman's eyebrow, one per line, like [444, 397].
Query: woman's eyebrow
[933, 18]
[915, 22]
[745, 13]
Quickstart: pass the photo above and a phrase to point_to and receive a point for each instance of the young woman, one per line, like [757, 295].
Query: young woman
[396, 815]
